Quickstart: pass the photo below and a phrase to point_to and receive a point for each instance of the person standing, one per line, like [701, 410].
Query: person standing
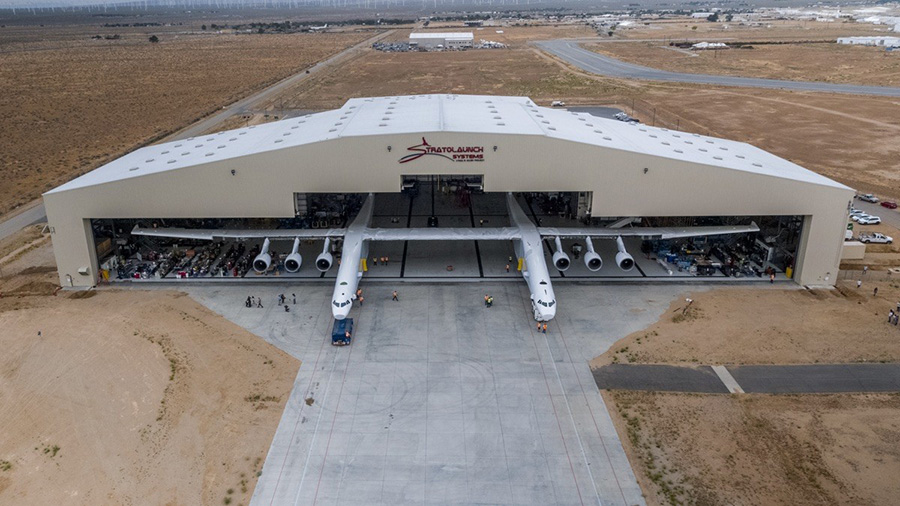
[358, 293]
[891, 316]
[485, 300]
[539, 326]
[361, 299]
[294, 295]
[865, 269]
[259, 302]
[507, 268]
[394, 296]
[875, 292]
[544, 329]
[858, 283]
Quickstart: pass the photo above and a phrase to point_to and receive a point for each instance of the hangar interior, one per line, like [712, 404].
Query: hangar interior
[446, 201]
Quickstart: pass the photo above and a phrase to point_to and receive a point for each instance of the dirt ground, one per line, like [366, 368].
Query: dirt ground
[799, 62]
[761, 449]
[123, 391]
[769, 326]
[518, 70]
[71, 103]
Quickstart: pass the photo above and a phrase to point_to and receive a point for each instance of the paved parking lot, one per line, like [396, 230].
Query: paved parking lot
[442, 401]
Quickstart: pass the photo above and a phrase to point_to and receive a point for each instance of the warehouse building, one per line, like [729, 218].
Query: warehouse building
[460, 40]
[566, 167]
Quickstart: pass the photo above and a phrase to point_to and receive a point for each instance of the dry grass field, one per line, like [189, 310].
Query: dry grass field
[761, 449]
[70, 103]
[826, 62]
[519, 70]
[773, 29]
[127, 397]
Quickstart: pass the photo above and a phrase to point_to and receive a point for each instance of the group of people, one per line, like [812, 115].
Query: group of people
[383, 260]
[282, 300]
[894, 316]
[488, 300]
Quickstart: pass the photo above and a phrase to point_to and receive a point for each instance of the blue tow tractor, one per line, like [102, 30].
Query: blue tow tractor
[342, 333]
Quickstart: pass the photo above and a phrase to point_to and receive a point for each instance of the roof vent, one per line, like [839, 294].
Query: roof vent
[551, 128]
[652, 135]
[285, 134]
[165, 152]
[607, 138]
[201, 145]
[545, 121]
[589, 124]
[723, 148]
[278, 140]
[220, 147]
[688, 142]
[133, 168]
[148, 161]
[497, 117]
[178, 145]
[330, 130]
[679, 151]
[501, 124]
[581, 119]
[676, 135]
[740, 156]
[709, 141]
[171, 161]
[665, 143]
[242, 133]
[382, 124]
[717, 157]
[703, 149]
[185, 153]
[209, 154]
[642, 129]
[294, 127]
[757, 164]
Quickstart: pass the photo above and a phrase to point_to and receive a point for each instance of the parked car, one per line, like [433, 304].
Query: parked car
[871, 220]
[868, 197]
[857, 217]
[856, 212]
[876, 238]
[888, 204]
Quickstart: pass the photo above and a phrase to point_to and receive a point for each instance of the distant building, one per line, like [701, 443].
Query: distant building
[871, 41]
[701, 15]
[445, 40]
[709, 45]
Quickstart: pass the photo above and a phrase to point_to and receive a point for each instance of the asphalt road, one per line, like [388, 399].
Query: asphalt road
[763, 379]
[37, 214]
[34, 214]
[572, 52]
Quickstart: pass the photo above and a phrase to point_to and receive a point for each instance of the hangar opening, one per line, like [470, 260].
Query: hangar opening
[450, 203]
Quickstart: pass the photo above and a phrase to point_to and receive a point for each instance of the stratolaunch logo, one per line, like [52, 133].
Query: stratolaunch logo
[452, 153]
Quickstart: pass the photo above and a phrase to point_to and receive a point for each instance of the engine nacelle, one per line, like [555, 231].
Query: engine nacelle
[325, 259]
[262, 261]
[623, 259]
[592, 259]
[293, 261]
[560, 258]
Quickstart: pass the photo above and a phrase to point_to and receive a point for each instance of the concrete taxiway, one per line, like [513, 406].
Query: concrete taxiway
[572, 52]
[440, 400]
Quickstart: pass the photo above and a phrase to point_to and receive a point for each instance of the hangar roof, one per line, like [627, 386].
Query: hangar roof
[422, 114]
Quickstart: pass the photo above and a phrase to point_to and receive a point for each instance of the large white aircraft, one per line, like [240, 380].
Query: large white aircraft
[527, 241]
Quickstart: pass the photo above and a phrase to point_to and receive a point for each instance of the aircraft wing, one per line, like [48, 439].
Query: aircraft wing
[647, 232]
[443, 234]
[209, 234]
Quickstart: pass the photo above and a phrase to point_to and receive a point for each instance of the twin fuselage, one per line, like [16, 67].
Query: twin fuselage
[528, 249]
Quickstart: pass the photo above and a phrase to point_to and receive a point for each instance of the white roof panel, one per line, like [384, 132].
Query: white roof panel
[446, 113]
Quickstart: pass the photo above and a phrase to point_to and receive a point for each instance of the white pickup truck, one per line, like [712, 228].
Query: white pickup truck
[876, 238]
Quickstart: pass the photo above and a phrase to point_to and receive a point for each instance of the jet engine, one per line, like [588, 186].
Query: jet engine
[325, 259]
[560, 258]
[293, 261]
[591, 259]
[262, 261]
[623, 259]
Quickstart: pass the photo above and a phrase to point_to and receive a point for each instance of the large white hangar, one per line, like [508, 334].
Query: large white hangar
[499, 178]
